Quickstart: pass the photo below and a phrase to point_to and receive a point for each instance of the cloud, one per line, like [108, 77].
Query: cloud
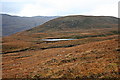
[66, 7]
[12, 7]
[31, 10]
[104, 10]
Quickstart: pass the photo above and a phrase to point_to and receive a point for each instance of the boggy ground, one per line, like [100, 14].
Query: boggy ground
[94, 54]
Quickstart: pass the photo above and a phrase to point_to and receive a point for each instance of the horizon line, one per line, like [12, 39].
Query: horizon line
[56, 15]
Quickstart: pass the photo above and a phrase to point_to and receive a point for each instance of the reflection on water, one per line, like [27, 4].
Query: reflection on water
[56, 39]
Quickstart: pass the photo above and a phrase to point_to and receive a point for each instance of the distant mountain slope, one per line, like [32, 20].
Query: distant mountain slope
[13, 24]
[76, 22]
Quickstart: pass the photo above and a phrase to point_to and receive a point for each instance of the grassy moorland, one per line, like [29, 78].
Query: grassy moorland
[93, 53]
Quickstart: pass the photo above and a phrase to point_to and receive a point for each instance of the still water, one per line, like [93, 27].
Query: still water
[56, 39]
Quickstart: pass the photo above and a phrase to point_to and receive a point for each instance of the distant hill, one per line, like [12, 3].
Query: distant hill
[12, 24]
[76, 22]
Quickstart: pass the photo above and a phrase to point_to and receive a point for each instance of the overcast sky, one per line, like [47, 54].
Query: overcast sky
[60, 7]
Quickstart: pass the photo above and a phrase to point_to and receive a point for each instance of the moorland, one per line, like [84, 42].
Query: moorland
[92, 54]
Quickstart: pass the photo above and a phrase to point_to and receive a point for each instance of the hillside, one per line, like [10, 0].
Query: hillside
[76, 23]
[93, 60]
[12, 24]
[93, 52]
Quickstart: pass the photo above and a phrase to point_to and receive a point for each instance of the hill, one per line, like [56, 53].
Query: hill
[76, 23]
[12, 24]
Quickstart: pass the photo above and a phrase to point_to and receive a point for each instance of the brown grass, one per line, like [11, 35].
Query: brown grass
[91, 57]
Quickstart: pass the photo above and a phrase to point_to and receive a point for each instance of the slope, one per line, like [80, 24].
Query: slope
[12, 24]
[76, 22]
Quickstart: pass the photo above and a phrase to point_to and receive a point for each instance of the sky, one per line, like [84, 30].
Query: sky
[60, 7]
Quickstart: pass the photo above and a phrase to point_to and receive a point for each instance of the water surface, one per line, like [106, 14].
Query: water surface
[56, 39]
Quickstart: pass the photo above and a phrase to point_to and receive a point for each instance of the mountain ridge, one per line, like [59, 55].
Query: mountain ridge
[12, 24]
